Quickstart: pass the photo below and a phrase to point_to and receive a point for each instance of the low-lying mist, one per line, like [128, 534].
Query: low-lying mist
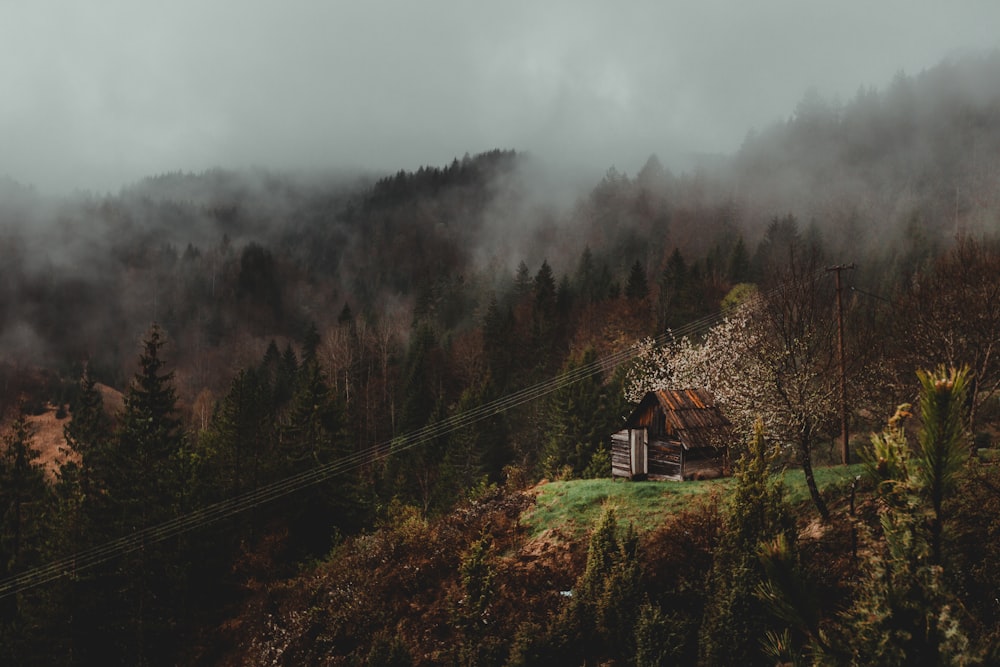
[227, 260]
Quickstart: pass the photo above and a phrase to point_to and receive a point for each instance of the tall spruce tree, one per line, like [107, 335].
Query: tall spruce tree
[144, 487]
[735, 617]
[81, 520]
[23, 504]
[578, 417]
[312, 434]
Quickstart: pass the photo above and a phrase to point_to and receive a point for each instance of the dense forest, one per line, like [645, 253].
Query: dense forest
[262, 377]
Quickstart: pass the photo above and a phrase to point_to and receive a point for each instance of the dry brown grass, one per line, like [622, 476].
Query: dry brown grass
[47, 431]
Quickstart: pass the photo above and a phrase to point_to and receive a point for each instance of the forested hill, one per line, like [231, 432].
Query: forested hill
[919, 156]
[218, 255]
[262, 325]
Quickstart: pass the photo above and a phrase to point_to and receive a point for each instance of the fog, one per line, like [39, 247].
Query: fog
[99, 95]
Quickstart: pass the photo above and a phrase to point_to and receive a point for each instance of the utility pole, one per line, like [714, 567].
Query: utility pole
[845, 453]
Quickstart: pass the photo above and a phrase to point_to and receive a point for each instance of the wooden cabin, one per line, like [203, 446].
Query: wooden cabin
[675, 435]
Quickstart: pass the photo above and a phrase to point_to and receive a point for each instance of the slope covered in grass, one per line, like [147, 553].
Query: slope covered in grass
[572, 507]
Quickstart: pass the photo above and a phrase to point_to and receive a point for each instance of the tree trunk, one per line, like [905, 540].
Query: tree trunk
[806, 460]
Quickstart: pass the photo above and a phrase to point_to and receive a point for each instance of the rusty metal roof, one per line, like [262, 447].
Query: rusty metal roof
[689, 417]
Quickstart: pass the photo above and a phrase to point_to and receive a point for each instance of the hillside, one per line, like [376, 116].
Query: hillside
[406, 584]
[318, 371]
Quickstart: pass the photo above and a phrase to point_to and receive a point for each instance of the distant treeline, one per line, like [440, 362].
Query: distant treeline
[261, 324]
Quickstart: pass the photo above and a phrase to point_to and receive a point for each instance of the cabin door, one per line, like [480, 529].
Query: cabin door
[638, 447]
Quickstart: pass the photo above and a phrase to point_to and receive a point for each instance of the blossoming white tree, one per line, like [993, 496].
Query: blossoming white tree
[772, 358]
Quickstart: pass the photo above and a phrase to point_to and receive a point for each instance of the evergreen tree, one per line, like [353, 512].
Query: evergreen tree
[735, 618]
[89, 430]
[782, 242]
[739, 263]
[144, 481]
[637, 288]
[942, 448]
[498, 343]
[475, 453]
[310, 343]
[903, 609]
[544, 289]
[419, 390]
[81, 520]
[578, 418]
[601, 617]
[312, 435]
[586, 278]
[23, 505]
[677, 301]
[144, 488]
[237, 443]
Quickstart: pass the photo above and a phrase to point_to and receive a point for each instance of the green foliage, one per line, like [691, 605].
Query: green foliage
[22, 496]
[637, 288]
[793, 599]
[600, 463]
[573, 507]
[477, 582]
[942, 445]
[475, 454]
[735, 618]
[24, 503]
[600, 617]
[740, 294]
[473, 615]
[660, 638]
[388, 650]
[904, 609]
[138, 595]
[88, 432]
[578, 417]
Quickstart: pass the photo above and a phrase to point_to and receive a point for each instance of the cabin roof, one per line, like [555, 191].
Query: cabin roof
[689, 417]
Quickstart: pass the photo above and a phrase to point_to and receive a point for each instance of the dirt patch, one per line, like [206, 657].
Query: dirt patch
[47, 431]
[47, 438]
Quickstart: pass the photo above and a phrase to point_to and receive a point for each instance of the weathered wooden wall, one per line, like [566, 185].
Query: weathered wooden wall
[621, 458]
[665, 460]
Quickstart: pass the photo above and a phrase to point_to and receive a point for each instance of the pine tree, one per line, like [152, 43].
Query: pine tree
[144, 487]
[498, 343]
[675, 304]
[637, 287]
[88, 432]
[238, 441]
[739, 263]
[23, 504]
[81, 520]
[22, 495]
[942, 444]
[735, 618]
[148, 440]
[601, 617]
[312, 434]
[578, 418]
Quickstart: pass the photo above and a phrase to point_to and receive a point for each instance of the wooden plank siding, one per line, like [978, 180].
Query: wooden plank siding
[621, 457]
[687, 437]
[666, 460]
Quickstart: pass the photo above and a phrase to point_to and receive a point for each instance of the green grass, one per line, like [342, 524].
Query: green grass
[573, 507]
[833, 477]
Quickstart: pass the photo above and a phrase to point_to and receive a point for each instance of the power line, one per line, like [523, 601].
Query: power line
[212, 513]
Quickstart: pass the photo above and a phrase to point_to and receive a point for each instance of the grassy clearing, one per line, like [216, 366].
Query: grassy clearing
[573, 507]
[830, 478]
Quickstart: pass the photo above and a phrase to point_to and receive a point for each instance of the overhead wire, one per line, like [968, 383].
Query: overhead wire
[147, 536]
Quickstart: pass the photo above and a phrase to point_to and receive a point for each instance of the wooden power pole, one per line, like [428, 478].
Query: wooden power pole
[845, 452]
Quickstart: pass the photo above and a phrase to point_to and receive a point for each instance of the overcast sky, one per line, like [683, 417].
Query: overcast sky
[95, 95]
